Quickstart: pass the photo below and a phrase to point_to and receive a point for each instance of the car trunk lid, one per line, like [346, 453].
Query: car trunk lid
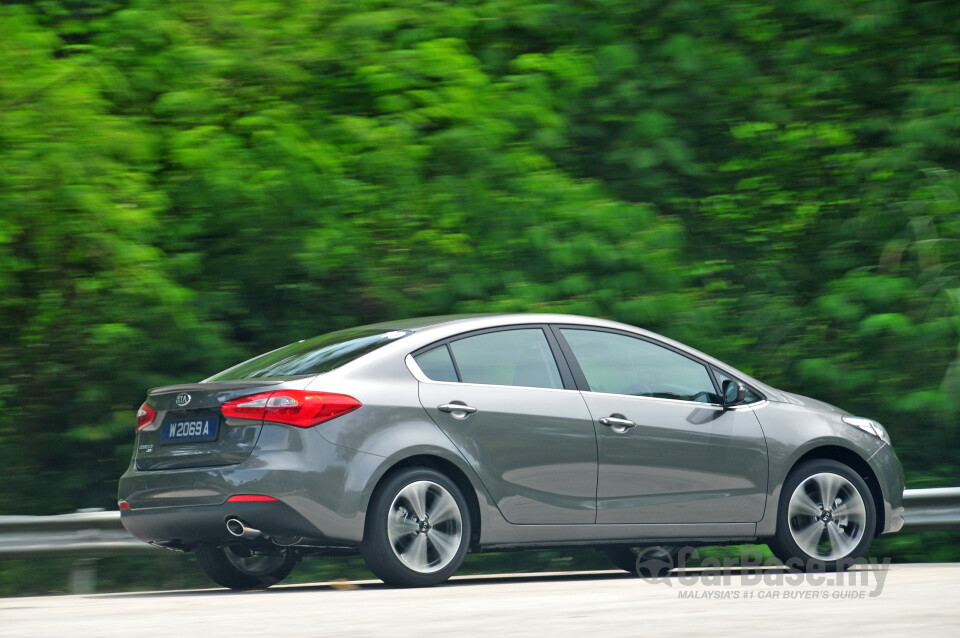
[189, 429]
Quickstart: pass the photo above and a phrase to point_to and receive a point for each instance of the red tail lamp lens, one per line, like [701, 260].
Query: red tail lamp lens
[145, 415]
[300, 408]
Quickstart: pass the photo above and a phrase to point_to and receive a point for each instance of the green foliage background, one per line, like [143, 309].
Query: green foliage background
[186, 183]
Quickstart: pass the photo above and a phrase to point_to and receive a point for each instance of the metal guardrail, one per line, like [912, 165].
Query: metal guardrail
[85, 534]
[931, 509]
[88, 535]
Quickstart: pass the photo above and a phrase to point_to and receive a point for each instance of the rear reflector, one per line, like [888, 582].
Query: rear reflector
[250, 498]
[123, 505]
[145, 415]
[292, 407]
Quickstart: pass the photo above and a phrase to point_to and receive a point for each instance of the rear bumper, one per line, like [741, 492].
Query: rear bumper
[183, 527]
[321, 490]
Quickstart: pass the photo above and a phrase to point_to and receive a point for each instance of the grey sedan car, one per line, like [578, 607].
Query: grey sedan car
[417, 441]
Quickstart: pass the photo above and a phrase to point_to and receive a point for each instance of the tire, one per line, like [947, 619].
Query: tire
[657, 561]
[402, 545]
[814, 535]
[227, 566]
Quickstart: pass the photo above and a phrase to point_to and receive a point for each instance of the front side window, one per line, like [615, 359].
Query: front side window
[619, 364]
[507, 357]
[311, 356]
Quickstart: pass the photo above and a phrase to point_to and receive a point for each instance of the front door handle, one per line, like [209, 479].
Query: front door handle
[457, 410]
[618, 423]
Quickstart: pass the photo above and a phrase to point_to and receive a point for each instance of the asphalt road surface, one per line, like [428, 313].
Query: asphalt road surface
[902, 600]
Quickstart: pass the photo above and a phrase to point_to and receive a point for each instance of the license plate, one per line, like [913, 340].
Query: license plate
[190, 430]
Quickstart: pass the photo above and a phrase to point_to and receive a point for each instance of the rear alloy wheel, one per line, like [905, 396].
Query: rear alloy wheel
[237, 567]
[418, 529]
[827, 517]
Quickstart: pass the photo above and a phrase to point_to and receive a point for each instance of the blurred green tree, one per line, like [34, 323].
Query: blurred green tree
[186, 183]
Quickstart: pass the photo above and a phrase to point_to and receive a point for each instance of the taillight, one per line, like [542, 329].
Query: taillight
[253, 406]
[145, 415]
[301, 408]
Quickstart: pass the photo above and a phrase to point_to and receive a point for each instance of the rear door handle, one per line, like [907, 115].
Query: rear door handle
[618, 423]
[457, 410]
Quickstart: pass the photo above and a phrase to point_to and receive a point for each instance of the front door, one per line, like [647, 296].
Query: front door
[668, 451]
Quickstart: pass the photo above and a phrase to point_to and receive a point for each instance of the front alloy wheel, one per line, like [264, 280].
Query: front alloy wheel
[827, 517]
[418, 529]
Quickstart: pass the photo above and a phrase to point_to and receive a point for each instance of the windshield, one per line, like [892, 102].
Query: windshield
[311, 356]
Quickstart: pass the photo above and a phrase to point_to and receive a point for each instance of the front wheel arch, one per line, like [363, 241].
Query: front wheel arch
[796, 548]
[856, 463]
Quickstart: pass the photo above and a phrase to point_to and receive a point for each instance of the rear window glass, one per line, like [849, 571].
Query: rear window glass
[437, 365]
[311, 356]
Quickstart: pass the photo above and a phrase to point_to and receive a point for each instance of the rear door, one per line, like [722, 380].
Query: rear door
[668, 451]
[515, 415]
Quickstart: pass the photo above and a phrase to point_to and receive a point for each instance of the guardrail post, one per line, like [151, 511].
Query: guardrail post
[83, 576]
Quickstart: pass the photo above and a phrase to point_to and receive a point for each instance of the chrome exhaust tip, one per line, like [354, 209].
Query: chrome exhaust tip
[239, 529]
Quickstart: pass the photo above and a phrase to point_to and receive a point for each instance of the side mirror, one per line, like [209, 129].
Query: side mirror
[733, 392]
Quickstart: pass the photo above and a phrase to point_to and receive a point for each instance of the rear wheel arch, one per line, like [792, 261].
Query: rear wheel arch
[856, 463]
[449, 469]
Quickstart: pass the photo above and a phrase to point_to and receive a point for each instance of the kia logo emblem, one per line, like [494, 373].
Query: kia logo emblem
[182, 399]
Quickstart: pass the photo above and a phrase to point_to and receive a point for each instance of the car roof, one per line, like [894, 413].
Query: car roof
[487, 320]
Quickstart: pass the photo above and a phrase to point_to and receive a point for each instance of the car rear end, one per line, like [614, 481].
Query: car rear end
[206, 455]
[239, 456]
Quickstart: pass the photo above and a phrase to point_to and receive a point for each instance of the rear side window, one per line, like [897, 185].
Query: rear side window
[311, 356]
[507, 357]
[437, 364]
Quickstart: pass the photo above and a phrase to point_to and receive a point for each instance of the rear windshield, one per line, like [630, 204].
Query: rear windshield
[311, 356]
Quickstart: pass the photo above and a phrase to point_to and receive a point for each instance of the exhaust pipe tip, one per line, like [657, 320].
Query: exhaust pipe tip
[239, 529]
[235, 527]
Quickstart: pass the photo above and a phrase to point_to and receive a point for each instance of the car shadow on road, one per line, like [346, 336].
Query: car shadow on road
[366, 585]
